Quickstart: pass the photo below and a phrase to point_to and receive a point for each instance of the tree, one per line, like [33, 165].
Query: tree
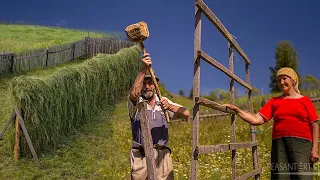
[219, 95]
[181, 92]
[255, 91]
[213, 95]
[310, 83]
[286, 56]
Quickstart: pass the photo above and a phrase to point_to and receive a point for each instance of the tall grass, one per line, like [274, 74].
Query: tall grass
[55, 105]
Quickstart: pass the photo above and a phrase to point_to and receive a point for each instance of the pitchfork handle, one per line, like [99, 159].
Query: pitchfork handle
[153, 77]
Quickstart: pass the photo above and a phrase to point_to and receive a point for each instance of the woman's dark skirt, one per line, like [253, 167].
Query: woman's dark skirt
[290, 159]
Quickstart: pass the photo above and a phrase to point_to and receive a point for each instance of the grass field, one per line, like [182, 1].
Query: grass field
[17, 38]
[100, 150]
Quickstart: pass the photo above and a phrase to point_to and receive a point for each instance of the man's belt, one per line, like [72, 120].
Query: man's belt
[155, 146]
[161, 147]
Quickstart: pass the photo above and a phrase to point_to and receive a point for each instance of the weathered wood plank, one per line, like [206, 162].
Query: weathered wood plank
[17, 141]
[196, 92]
[225, 70]
[12, 117]
[214, 115]
[252, 128]
[243, 145]
[217, 23]
[25, 132]
[315, 99]
[201, 116]
[250, 174]
[210, 104]
[147, 139]
[233, 117]
[204, 149]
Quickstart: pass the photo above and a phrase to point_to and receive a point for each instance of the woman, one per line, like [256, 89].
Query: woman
[295, 129]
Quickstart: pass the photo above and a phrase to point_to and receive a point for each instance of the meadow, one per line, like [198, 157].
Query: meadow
[99, 149]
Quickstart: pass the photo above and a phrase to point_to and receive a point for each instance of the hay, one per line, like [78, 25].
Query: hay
[54, 106]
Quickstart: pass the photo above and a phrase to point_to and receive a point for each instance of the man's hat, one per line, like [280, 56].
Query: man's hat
[148, 75]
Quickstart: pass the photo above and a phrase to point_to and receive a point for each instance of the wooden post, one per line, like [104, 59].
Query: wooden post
[196, 93]
[233, 122]
[17, 141]
[252, 128]
[73, 50]
[85, 46]
[88, 47]
[94, 47]
[26, 134]
[13, 116]
[47, 57]
[147, 139]
[11, 60]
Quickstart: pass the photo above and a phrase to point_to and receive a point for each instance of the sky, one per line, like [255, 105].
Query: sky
[258, 25]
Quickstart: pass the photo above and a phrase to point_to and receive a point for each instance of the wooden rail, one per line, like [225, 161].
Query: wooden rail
[218, 24]
[204, 149]
[219, 66]
[210, 104]
[250, 174]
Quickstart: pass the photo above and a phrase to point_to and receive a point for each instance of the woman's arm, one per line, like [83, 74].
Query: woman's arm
[315, 139]
[253, 119]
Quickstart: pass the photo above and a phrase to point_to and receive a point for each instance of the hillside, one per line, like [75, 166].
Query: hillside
[17, 38]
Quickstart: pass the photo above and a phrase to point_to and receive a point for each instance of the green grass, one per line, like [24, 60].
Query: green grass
[18, 38]
[100, 148]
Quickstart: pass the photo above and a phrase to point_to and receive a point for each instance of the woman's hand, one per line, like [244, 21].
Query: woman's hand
[232, 107]
[314, 156]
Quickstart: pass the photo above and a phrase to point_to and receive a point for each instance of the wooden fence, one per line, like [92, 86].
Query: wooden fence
[6, 63]
[31, 59]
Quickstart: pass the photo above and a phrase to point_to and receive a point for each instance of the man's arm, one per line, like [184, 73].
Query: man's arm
[137, 85]
[178, 110]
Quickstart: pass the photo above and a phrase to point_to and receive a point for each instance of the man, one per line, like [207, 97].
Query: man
[143, 89]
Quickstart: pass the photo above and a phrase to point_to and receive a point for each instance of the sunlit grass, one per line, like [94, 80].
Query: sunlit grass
[18, 38]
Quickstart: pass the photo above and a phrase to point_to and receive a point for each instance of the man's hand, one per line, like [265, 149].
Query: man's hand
[165, 104]
[146, 60]
[314, 157]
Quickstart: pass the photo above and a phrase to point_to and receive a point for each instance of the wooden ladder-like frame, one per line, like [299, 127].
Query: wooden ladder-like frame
[202, 8]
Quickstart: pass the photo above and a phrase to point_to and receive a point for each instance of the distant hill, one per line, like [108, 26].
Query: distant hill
[17, 38]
